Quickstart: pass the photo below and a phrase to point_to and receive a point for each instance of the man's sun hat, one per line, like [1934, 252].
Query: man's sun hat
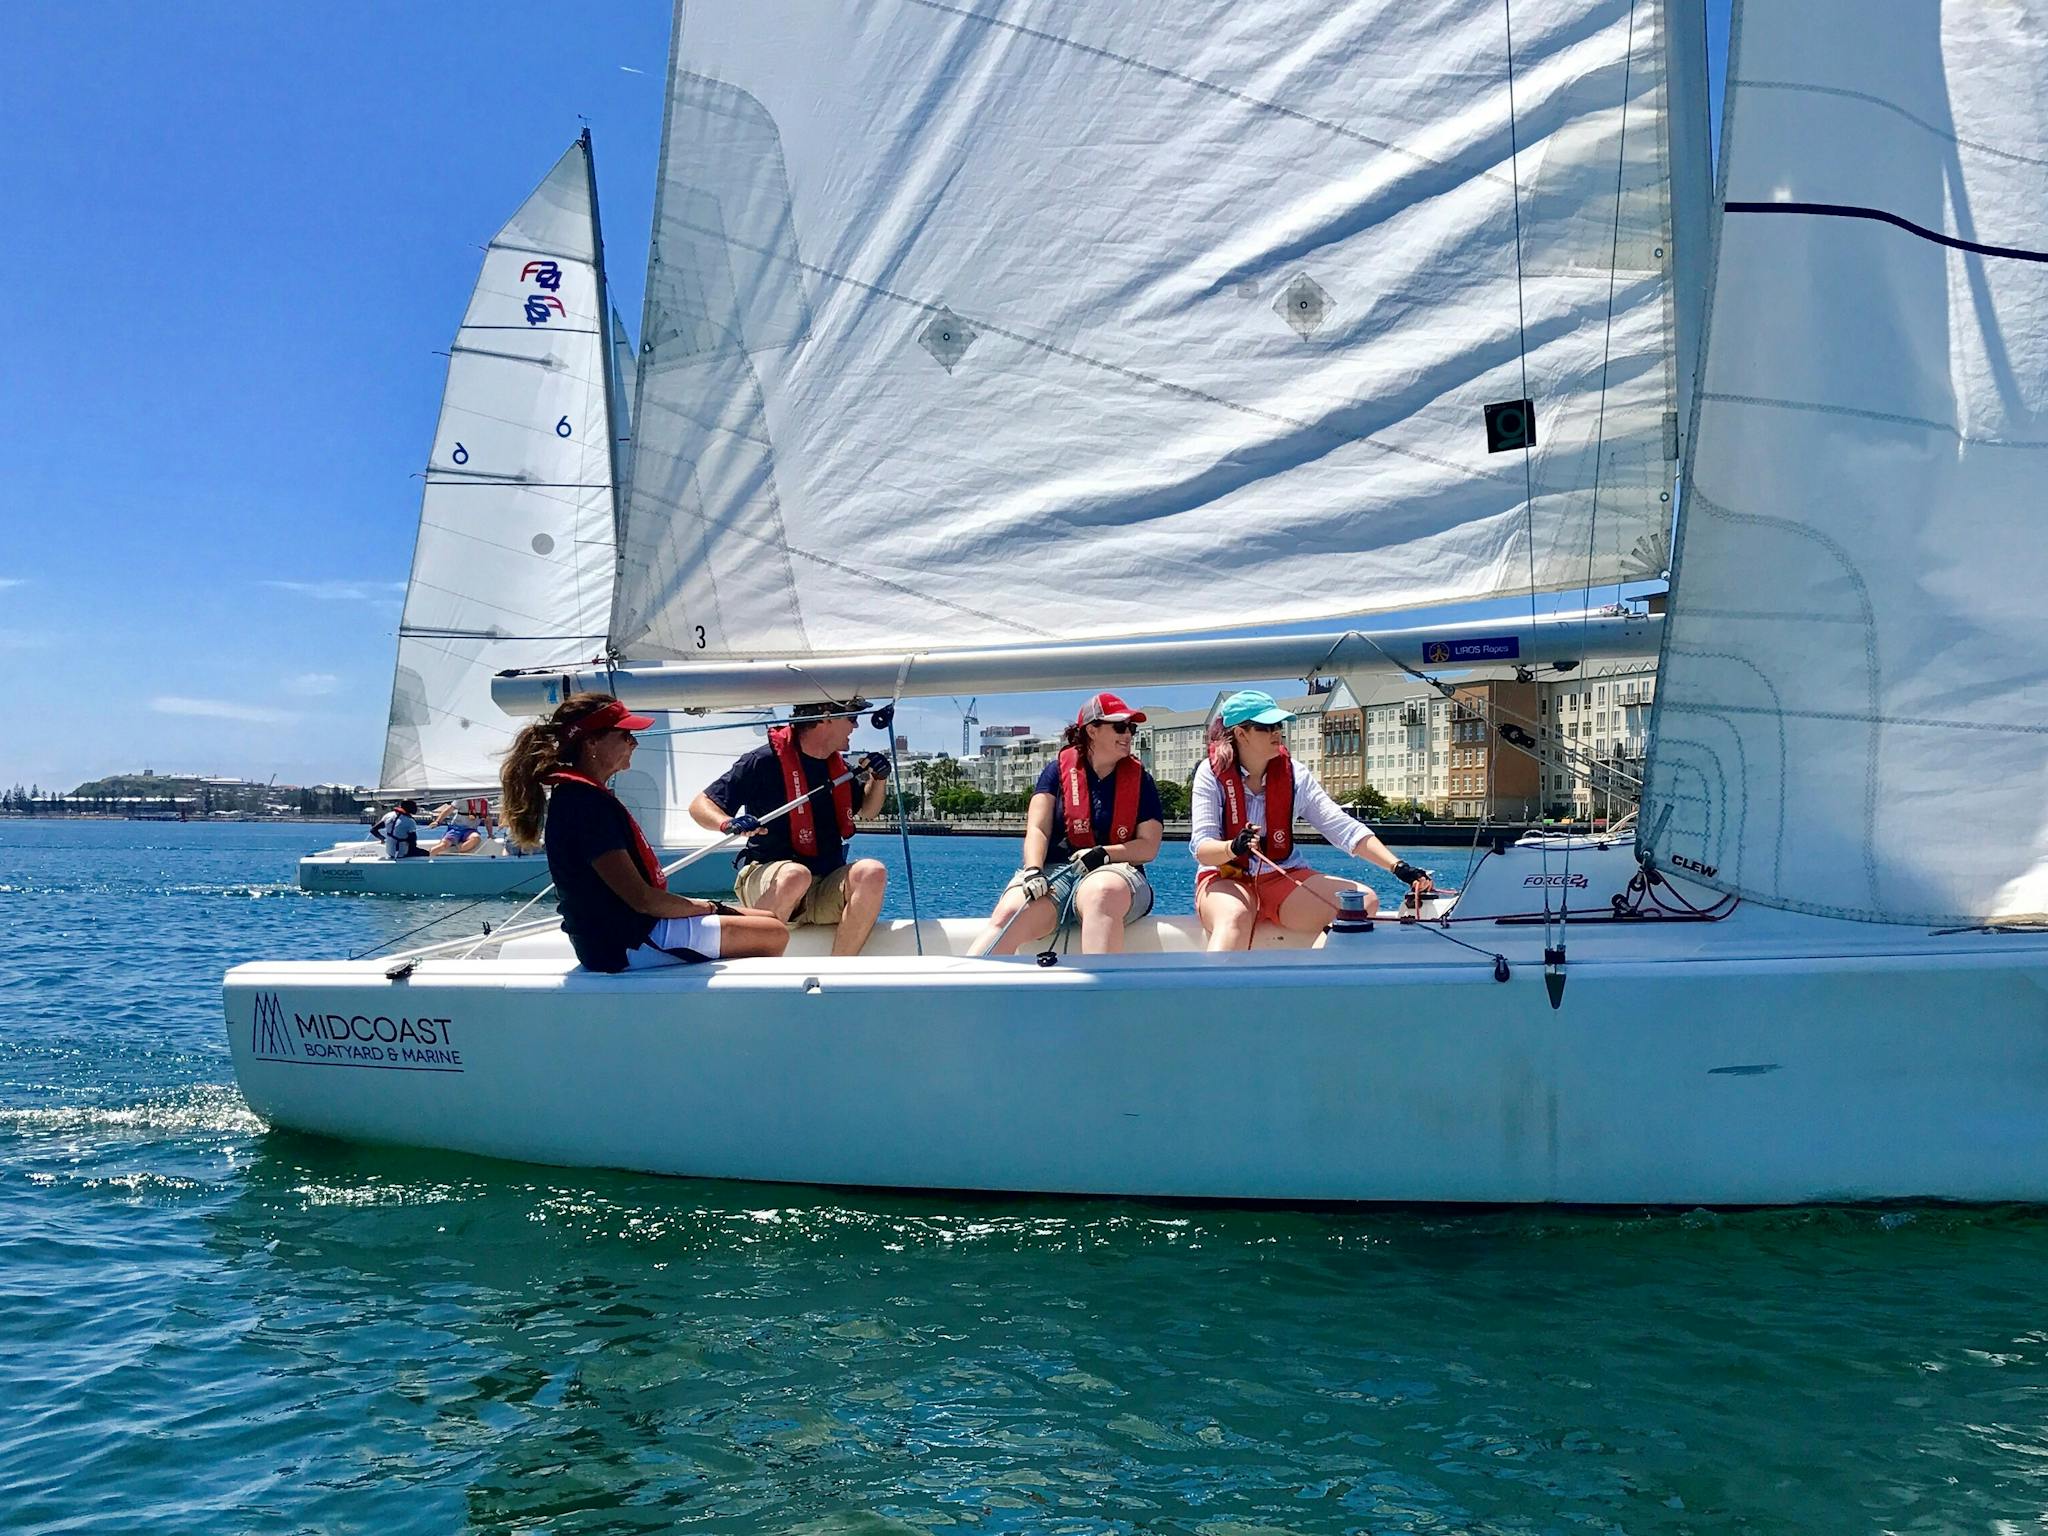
[1251, 707]
[1107, 706]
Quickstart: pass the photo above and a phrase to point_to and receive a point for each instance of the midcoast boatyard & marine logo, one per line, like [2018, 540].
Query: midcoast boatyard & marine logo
[404, 1043]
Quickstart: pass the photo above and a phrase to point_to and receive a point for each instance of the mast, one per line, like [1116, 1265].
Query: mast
[604, 320]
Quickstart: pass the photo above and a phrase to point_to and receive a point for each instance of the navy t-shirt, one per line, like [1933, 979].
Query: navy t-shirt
[583, 825]
[754, 785]
[1101, 806]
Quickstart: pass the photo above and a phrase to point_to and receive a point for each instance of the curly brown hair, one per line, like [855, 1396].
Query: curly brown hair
[536, 752]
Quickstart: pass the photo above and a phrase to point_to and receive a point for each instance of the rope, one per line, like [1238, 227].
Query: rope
[903, 811]
[449, 917]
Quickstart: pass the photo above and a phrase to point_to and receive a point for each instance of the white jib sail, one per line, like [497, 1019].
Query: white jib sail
[999, 322]
[1853, 709]
[513, 567]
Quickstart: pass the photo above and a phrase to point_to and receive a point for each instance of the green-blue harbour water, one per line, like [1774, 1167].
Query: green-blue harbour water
[208, 1327]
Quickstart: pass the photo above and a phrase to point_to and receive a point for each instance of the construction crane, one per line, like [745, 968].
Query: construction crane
[968, 721]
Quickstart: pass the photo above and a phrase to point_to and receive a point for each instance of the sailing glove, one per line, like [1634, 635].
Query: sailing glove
[1033, 884]
[1408, 874]
[1241, 845]
[1088, 860]
[875, 765]
[741, 823]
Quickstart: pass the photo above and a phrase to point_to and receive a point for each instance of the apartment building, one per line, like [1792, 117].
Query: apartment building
[1599, 720]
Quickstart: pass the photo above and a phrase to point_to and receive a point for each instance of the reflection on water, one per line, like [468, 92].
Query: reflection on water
[205, 1327]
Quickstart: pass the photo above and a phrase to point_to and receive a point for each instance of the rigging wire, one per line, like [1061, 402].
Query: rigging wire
[1606, 359]
[1522, 357]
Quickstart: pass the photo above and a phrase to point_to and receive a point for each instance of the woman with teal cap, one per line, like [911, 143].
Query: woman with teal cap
[1246, 797]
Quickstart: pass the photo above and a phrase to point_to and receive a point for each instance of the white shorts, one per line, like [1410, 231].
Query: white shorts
[672, 936]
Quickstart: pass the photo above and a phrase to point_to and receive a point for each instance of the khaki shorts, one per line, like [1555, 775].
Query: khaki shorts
[824, 903]
[1132, 875]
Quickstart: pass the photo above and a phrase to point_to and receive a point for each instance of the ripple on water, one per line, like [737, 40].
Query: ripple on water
[207, 1327]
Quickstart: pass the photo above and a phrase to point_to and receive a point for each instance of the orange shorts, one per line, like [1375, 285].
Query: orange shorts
[1269, 887]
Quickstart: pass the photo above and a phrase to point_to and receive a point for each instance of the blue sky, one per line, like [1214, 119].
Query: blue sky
[239, 234]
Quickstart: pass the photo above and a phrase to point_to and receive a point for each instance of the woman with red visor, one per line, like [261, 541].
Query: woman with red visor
[609, 887]
[1093, 824]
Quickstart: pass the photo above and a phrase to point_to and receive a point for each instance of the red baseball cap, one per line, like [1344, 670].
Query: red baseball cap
[608, 717]
[1107, 706]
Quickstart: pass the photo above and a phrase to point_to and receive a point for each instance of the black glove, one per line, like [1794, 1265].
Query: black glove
[875, 765]
[1032, 883]
[1088, 860]
[740, 823]
[1408, 874]
[1241, 845]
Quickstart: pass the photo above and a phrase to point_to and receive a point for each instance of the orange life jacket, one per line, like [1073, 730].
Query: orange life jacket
[1276, 840]
[1078, 810]
[643, 855]
[803, 822]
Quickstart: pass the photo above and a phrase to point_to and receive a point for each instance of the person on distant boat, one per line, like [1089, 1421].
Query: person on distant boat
[796, 866]
[615, 904]
[1246, 797]
[1093, 824]
[401, 832]
[468, 822]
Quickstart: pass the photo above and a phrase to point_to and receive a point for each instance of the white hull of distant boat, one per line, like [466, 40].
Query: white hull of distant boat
[1764, 1058]
[362, 869]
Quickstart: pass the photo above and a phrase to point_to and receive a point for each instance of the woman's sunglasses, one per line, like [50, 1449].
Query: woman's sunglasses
[1261, 727]
[1121, 727]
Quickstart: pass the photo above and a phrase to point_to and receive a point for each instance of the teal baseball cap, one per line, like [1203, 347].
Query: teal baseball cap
[1251, 707]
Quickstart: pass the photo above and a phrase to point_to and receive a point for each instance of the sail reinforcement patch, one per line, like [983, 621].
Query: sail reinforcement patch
[1304, 304]
[947, 337]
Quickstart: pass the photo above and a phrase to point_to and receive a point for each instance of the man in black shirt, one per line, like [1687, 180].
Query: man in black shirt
[796, 867]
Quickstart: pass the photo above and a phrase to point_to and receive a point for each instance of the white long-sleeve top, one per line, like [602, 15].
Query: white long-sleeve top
[1312, 804]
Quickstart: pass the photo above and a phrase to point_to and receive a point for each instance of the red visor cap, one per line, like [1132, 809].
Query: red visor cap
[610, 717]
[1107, 706]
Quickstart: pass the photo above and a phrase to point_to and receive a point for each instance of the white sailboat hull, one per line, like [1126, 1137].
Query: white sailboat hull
[1765, 1059]
[362, 869]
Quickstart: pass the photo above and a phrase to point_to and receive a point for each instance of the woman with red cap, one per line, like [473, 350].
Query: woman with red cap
[1095, 822]
[609, 887]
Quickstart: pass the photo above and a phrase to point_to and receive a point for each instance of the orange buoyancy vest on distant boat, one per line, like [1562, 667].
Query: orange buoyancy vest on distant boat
[803, 822]
[1276, 839]
[643, 855]
[1077, 809]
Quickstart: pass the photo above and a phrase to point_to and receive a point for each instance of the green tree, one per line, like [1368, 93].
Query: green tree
[1174, 799]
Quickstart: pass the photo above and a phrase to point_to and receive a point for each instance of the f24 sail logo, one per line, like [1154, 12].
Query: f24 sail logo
[545, 274]
[269, 1036]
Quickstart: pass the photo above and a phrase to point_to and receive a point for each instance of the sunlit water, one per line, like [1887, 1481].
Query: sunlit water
[206, 1327]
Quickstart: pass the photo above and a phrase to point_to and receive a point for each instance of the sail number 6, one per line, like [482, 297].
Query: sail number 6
[562, 427]
[460, 455]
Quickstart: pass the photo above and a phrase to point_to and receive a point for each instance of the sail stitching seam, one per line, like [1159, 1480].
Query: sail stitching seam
[1854, 574]
[1200, 84]
[1892, 417]
[1777, 713]
[989, 327]
[1889, 106]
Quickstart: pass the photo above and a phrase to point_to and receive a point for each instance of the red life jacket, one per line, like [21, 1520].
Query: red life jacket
[1078, 811]
[643, 855]
[477, 806]
[803, 822]
[1276, 841]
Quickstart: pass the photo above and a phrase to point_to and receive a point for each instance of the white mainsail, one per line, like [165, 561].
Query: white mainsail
[995, 323]
[1854, 681]
[514, 562]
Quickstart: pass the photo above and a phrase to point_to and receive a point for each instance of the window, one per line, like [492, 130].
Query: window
[1600, 694]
